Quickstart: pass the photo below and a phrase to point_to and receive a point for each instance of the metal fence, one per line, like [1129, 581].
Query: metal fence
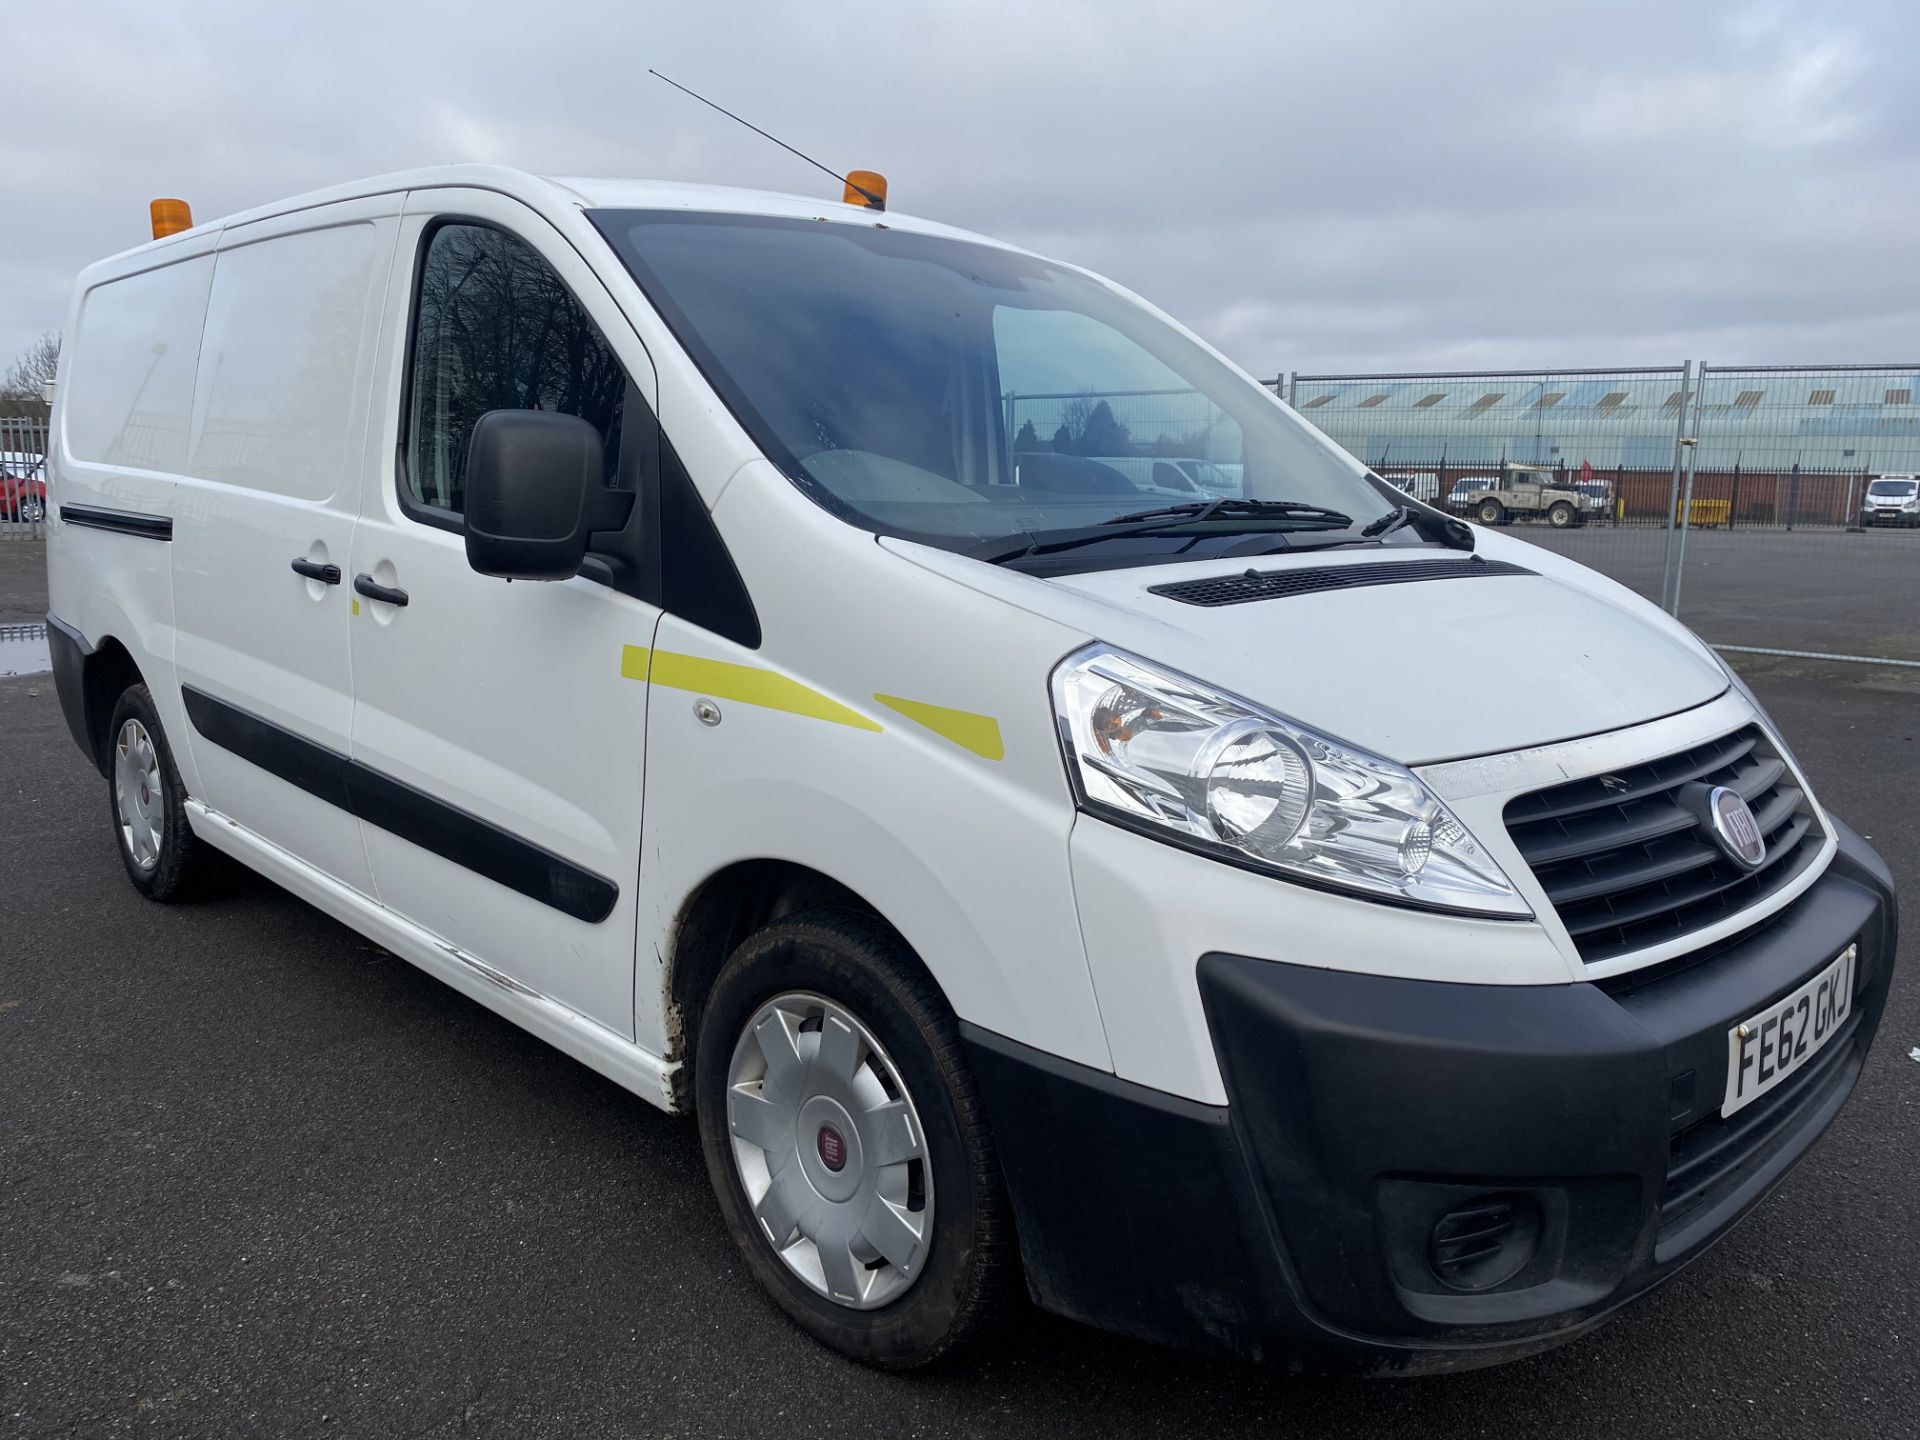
[23, 477]
[1753, 502]
[1122, 423]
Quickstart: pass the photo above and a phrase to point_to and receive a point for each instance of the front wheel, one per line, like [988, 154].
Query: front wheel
[846, 1144]
[1561, 516]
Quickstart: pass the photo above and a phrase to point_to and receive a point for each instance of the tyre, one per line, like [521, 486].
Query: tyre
[1561, 516]
[1491, 512]
[846, 1144]
[33, 511]
[164, 859]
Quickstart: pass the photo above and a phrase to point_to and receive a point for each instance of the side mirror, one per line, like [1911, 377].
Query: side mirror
[536, 493]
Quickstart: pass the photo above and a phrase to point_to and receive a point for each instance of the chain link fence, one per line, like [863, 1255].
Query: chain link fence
[1774, 508]
[23, 477]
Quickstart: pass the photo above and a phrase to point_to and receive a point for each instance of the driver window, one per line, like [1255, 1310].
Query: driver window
[495, 328]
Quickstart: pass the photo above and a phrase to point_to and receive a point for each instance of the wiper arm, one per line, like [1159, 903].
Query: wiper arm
[1393, 520]
[1207, 509]
[1438, 529]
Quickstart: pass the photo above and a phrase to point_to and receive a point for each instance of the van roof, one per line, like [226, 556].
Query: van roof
[585, 193]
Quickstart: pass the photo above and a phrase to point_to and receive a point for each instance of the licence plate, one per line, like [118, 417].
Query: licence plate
[1776, 1044]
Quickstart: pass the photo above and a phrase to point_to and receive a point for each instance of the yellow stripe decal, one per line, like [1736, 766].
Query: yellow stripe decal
[978, 733]
[750, 685]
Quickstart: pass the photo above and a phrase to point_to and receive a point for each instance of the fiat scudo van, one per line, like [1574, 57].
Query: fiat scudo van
[625, 602]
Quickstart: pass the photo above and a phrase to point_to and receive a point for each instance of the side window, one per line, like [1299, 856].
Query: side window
[494, 328]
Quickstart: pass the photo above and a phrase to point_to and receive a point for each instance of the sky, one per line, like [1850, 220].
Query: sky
[1364, 185]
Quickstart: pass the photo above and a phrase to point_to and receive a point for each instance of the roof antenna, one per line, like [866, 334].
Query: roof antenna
[871, 188]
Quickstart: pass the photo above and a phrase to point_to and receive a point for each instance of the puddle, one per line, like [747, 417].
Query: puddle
[23, 650]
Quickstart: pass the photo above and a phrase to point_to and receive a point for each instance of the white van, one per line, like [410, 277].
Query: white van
[1892, 500]
[1420, 484]
[612, 598]
[1154, 476]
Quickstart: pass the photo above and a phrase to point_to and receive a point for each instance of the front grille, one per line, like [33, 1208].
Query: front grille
[1283, 584]
[1713, 1157]
[1627, 861]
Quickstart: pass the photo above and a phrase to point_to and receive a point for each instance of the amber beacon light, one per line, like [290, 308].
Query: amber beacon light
[866, 187]
[170, 217]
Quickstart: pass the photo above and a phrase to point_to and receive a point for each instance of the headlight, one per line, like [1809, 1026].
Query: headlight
[1201, 768]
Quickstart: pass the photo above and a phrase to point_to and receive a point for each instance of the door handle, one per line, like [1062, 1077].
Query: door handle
[385, 594]
[314, 570]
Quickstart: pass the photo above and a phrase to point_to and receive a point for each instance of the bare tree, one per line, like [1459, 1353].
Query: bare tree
[24, 389]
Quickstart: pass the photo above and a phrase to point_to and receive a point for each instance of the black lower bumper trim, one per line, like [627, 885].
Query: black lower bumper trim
[68, 649]
[1413, 1175]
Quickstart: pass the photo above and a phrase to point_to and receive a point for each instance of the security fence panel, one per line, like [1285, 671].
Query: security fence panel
[1585, 462]
[23, 477]
[1803, 505]
[1773, 508]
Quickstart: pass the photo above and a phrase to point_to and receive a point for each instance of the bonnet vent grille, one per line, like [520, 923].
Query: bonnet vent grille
[1282, 584]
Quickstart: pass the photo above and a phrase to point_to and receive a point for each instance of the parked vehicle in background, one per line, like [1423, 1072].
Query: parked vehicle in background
[1420, 484]
[1892, 500]
[1038, 888]
[1466, 492]
[1216, 479]
[1068, 474]
[1153, 476]
[1524, 492]
[23, 486]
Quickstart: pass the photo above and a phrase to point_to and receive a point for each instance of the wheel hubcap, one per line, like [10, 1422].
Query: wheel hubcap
[136, 794]
[829, 1149]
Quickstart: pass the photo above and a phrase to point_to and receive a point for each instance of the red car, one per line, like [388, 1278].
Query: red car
[23, 489]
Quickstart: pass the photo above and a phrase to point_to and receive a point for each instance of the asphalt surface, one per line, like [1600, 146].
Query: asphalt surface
[259, 1177]
[1835, 591]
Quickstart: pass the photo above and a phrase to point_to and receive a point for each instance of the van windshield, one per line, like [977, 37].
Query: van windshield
[957, 393]
[1892, 488]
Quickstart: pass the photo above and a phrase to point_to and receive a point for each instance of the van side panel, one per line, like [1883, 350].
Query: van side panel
[123, 411]
[273, 475]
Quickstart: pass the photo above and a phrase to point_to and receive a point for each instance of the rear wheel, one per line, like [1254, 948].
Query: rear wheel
[164, 859]
[846, 1144]
[1491, 512]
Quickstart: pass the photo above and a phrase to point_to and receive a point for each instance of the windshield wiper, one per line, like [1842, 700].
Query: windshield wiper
[1169, 520]
[1206, 509]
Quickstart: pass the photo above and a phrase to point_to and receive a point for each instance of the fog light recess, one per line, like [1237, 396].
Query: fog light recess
[1485, 1243]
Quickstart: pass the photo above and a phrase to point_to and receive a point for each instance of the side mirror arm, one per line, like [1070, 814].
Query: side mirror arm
[608, 512]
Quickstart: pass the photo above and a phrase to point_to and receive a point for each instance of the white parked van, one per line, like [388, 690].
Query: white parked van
[1892, 500]
[614, 598]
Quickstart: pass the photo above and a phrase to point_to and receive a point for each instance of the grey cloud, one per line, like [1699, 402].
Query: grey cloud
[1352, 186]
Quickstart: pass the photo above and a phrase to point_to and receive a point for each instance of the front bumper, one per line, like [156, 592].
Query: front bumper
[1297, 1222]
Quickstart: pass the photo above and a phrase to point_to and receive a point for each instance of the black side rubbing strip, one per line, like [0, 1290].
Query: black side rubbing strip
[401, 809]
[278, 751]
[121, 522]
[1283, 584]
